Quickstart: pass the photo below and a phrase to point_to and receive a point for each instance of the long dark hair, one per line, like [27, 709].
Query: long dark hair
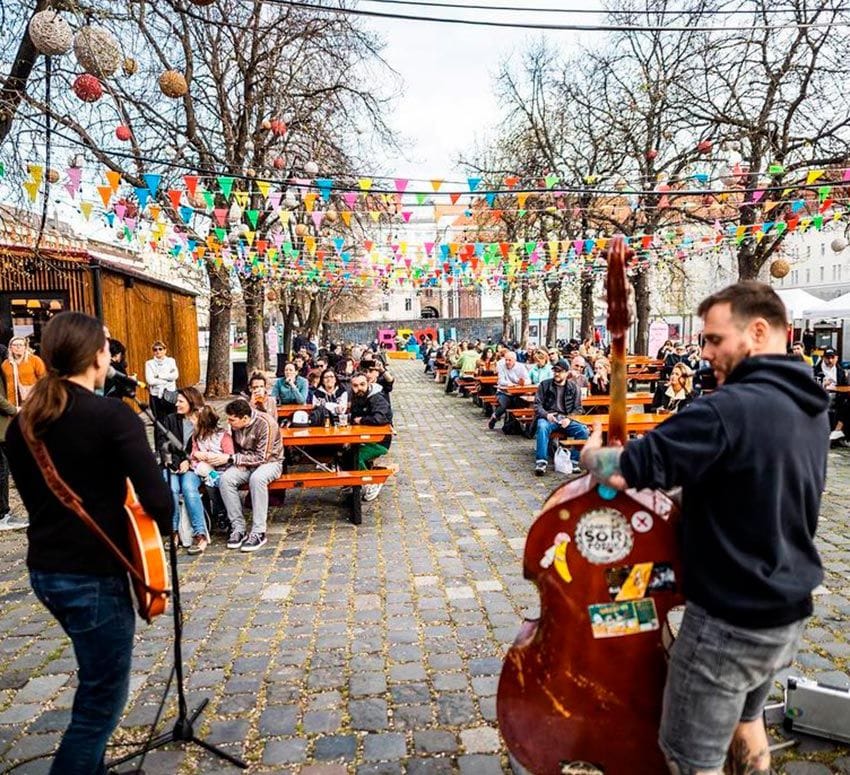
[70, 343]
[207, 423]
[193, 398]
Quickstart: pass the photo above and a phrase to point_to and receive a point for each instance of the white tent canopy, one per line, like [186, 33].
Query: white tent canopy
[835, 308]
[796, 301]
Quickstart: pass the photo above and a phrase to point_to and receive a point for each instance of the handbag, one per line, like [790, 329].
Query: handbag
[170, 396]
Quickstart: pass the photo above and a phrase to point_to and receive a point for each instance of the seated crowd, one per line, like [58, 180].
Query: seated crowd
[219, 456]
[568, 373]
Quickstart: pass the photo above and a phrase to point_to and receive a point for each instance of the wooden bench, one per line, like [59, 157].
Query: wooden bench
[355, 479]
[440, 373]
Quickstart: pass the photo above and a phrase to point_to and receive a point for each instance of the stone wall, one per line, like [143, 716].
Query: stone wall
[464, 328]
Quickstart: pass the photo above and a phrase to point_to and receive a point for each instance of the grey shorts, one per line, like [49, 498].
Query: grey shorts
[718, 676]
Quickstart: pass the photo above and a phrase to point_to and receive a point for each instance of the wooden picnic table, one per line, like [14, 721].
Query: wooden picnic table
[839, 389]
[633, 399]
[287, 410]
[335, 436]
[487, 380]
[635, 422]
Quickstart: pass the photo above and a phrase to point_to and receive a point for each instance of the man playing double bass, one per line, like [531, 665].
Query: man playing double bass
[751, 461]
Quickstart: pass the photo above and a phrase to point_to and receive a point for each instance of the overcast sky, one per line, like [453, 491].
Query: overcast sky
[448, 73]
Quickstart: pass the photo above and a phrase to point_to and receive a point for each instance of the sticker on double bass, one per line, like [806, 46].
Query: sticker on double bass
[557, 555]
[632, 582]
[603, 536]
[615, 620]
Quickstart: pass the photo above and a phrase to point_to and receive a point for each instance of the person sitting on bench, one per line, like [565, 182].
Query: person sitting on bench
[556, 400]
[369, 406]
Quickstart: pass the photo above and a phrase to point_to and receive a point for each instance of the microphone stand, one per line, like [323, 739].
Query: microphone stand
[183, 729]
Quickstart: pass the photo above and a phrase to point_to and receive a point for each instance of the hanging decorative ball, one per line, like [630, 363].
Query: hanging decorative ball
[311, 168]
[779, 268]
[87, 88]
[122, 132]
[278, 128]
[173, 84]
[331, 215]
[301, 229]
[279, 163]
[97, 51]
[839, 244]
[129, 66]
[290, 200]
[52, 175]
[50, 33]
[650, 155]
[251, 172]
[704, 146]
[267, 124]
[271, 294]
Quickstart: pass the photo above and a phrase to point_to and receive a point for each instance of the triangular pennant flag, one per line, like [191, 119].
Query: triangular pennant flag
[273, 199]
[209, 198]
[813, 176]
[435, 184]
[85, 209]
[241, 198]
[31, 187]
[310, 201]
[473, 183]
[186, 213]
[420, 198]
[154, 210]
[37, 172]
[346, 217]
[365, 184]
[152, 182]
[401, 185]
[264, 186]
[225, 185]
[191, 182]
[375, 215]
[490, 196]
[220, 233]
[174, 195]
[325, 185]
[454, 197]
[75, 175]
[521, 198]
[142, 195]
[114, 179]
[318, 216]
[252, 216]
[105, 194]
[551, 180]
[220, 214]
[406, 215]
[350, 198]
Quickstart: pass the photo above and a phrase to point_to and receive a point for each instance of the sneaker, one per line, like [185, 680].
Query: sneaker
[199, 544]
[370, 491]
[345, 492]
[577, 469]
[10, 522]
[836, 435]
[540, 468]
[492, 422]
[237, 538]
[253, 542]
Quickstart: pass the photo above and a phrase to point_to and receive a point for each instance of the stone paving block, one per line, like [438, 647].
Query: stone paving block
[478, 764]
[335, 747]
[434, 741]
[368, 714]
[378, 747]
[480, 740]
[430, 766]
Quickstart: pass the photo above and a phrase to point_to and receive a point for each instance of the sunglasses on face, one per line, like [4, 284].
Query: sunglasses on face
[159, 349]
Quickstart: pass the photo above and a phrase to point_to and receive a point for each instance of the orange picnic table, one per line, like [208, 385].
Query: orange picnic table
[287, 410]
[635, 422]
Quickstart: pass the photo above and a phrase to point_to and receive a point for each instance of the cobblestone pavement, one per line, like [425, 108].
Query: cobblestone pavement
[370, 650]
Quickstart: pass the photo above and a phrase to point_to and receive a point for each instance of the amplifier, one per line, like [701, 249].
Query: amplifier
[817, 709]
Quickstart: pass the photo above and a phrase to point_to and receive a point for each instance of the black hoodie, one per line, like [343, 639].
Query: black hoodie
[751, 460]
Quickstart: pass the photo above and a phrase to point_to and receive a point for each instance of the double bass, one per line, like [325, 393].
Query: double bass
[581, 687]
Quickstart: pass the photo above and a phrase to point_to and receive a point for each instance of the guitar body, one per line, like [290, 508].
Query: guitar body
[148, 558]
[584, 682]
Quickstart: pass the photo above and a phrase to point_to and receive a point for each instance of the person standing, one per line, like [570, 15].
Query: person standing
[96, 445]
[8, 410]
[751, 461]
[21, 370]
[161, 374]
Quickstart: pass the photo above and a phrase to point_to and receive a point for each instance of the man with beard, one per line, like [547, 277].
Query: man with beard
[369, 406]
[556, 400]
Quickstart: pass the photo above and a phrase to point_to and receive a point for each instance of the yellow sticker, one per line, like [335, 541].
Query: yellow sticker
[635, 585]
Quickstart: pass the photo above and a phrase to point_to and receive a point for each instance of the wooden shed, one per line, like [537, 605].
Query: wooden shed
[70, 274]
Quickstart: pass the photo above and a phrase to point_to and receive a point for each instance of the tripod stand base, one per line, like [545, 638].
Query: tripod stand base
[183, 731]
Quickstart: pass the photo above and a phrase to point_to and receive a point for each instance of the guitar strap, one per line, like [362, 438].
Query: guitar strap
[65, 495]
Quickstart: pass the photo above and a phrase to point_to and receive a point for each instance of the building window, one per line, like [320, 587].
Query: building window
[822, 249]
[808, 276]
[839, 272]
[385, 305]
[794, 276]
[408, 304]
[821, 274]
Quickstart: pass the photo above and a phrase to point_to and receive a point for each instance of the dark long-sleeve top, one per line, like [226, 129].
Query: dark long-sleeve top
[373, 409]
[96, 445]
[546, 399]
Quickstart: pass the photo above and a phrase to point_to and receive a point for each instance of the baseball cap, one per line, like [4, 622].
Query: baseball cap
[561, 365]
[829, 351]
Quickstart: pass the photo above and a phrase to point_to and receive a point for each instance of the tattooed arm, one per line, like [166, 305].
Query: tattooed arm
[603, 462]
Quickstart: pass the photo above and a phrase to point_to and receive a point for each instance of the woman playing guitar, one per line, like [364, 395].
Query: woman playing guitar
[68, 437]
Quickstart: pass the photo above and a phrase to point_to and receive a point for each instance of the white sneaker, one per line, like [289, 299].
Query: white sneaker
[576, 467]
[10, 522]
[836, 435]
[370, 491]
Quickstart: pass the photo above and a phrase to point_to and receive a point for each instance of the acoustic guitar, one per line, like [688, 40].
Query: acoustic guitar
[581, 687]
[150, 583]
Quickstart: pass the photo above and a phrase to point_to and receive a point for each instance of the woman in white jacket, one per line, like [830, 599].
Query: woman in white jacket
[161, 375]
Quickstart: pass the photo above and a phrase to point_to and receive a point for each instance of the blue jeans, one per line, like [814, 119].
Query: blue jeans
[718, 676]
[575, 430]
[97, 614]
[187, 485]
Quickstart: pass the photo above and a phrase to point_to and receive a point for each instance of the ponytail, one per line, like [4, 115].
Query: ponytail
[45, 404]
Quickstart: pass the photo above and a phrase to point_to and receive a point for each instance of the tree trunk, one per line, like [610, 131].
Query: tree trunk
[524, 308]
[554, 311]
[640, 281]
[252, 292]
[508, 293]
[587, 306]
[287, 308]
[13, 88]
[749, 262]
[218, 359]
[314, 316]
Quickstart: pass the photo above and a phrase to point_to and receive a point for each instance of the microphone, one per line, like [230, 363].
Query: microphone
[124, 380]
